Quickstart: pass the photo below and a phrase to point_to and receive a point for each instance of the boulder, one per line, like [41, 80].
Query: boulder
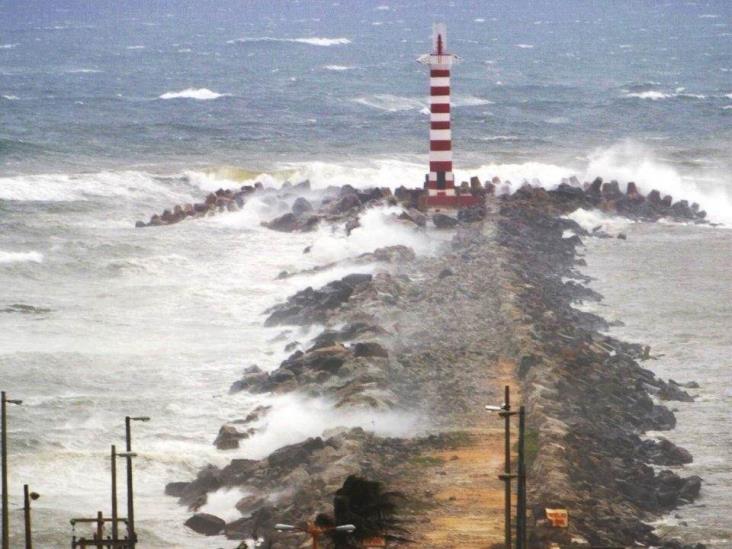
[229, 437]
[369, 349]
[442, 221]
[175, 489]
[206, 524]
[345, 203]
[415, 216]
[301, 205]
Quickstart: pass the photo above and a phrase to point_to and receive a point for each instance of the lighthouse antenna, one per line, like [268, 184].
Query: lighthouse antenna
[439, 38]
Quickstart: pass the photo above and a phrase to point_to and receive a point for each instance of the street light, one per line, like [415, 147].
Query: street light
[315, 531]
[129, 455]
[27, 497]
[505, 412]
[4, 459]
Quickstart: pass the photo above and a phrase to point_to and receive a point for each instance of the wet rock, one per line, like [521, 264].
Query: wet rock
[471, 215]
[370, 349]
[415, 216]
[229, 437]
[176, 489]
[139, 224]
[206, 524]
[346, 203]
[444, 273]
[622, 236]
[309, 306]
[442, 221]
[300, 206]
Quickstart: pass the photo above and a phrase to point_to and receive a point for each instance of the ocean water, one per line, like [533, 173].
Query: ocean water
[112, 111]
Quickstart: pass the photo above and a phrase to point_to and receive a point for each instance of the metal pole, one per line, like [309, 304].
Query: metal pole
[100, 530]
[130, 501]
[27, 516]
[115, 529]
[507, 470]
[4, 450]
[521, 485]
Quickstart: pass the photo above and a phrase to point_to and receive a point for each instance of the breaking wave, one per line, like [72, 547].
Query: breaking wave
[394, 103]
[20, 257]
[83, 187]
[655, 95]
[632, 161]
[314, 41]
[7, 46]
[338, 68]
[201, 94]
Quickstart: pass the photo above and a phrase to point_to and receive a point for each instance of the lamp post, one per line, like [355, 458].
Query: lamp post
[505, 412]
[27, 497]
[129, 455]
[113, 464]
[4, 459]
[315, 531]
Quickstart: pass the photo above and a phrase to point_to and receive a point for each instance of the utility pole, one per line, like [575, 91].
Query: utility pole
[521, 537]
[130, 497]
[4, 466]
[115, 529]
[506, 477]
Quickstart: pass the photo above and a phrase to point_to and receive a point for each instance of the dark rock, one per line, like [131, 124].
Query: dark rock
[369, 349]
[140, 224]
[690, 488]
[301, 205]
[444, 273]
[175, 489]
[229, 437]
[346, 203]
[206, 524]
[415, 216]
[622, 236]
[443, 221]
[471, 215]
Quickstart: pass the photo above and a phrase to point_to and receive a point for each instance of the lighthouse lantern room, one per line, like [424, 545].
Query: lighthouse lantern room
[440, 181]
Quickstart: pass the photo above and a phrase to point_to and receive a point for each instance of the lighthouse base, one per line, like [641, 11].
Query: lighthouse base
[451, 202]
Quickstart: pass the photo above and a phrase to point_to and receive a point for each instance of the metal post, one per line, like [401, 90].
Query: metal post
[130, 501]
[100, 530]
[27, 516]
[115, 528]
[4, 459]
[521, 539]
[4, 450]
[507, 468]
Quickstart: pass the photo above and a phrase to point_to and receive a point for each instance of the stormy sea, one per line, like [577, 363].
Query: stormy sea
[113, 111]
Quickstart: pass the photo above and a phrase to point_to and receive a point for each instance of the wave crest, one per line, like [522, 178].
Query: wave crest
[200, 94]
[313, 41]
[20, 257]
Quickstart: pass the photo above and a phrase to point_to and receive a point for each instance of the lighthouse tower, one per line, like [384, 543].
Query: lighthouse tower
[440, 181]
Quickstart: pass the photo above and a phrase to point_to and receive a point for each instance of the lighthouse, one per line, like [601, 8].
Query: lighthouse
[440, 181]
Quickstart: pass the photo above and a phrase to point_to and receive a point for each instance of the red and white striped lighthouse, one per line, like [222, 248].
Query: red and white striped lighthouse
[440, 181]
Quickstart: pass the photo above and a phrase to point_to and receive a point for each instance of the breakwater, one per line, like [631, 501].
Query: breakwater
[434, 338]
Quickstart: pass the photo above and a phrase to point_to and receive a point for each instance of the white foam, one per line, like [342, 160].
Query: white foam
[708, 16]
[294, 418]
[7, 46]
[479, 20]
[222, 503]
[394, 103]
[11, 97]
[383, 8]
[314, 41]
[337, 68]
[632, 161]
[71, 187]
[201, 94]
[20, 257]
[379, 228]
[525, 46]
[590, 219]
[655, 95]
[652, 95]
[391, 103]
[135, 47]
[83, 71]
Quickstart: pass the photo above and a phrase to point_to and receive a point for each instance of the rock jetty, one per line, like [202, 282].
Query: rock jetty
[432, 340]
